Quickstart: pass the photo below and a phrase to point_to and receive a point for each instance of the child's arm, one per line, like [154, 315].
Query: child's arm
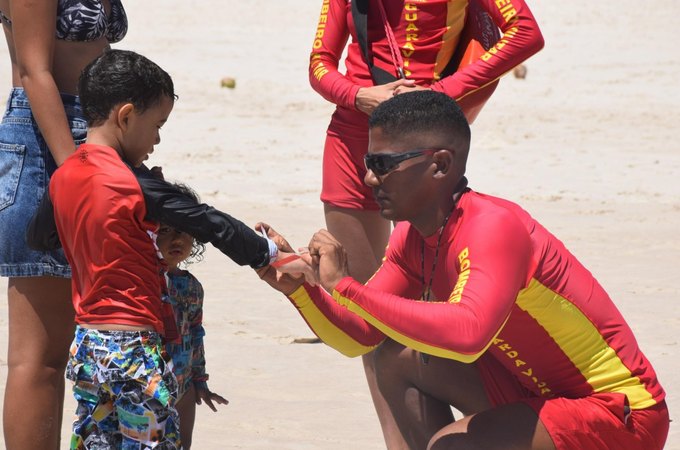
[198, 374]
[166, 204]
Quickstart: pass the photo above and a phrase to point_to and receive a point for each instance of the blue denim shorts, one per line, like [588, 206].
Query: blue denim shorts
[25, 169]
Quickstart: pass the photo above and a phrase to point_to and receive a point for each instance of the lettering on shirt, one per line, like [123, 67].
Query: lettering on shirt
[507, 9]
[500, 44]
[520, 364]
[407, 50]
[463, 276]
[317, 66]
[321, 27]
[509, 12]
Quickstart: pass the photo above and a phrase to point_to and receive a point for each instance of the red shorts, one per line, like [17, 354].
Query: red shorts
[599, 421]
[343, 162]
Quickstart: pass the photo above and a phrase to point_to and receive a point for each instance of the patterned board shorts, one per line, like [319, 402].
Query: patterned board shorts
[125, 390]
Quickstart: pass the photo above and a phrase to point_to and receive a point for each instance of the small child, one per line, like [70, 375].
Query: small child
[104, 207]
[185, 294]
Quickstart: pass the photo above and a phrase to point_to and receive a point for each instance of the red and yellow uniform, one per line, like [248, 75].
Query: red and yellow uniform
[427, 33]
[509, 294]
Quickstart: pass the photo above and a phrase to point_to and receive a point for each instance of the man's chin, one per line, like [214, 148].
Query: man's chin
[387, 214]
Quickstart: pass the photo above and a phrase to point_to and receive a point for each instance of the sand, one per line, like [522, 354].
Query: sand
[587, 142]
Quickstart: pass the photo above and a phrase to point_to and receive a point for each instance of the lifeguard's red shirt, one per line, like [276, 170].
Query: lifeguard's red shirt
[427, 33]
[106, 218]
[504, 285]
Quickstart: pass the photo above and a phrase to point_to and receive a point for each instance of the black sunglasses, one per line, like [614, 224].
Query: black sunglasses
[384, 163]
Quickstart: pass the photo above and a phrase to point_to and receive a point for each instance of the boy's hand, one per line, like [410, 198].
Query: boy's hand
[285, 283]
[279, 240]
[203, 394]
[157, 172]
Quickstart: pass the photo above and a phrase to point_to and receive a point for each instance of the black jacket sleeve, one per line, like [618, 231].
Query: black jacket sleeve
[167, 205]
[42, 232]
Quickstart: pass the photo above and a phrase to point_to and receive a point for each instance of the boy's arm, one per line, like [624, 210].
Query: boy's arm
[166, 204]
[42, 232]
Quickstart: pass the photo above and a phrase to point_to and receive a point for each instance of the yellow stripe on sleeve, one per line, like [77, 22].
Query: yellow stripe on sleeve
[602, 369]
[324, 328]
[406, 340]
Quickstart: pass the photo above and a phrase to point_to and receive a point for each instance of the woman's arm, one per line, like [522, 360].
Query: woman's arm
[33, 32]
[330, 39]
[521, 39]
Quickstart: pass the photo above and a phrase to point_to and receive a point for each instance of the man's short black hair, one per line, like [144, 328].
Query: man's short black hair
[121, 76]
[422, 111]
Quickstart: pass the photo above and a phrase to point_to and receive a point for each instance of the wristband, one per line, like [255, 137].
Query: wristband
[273, 249]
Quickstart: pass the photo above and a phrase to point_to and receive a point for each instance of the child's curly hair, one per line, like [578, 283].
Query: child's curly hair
[197, 248]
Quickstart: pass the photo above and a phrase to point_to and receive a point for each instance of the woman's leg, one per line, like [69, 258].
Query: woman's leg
[364, 235]
[40, 332]
[186, 408]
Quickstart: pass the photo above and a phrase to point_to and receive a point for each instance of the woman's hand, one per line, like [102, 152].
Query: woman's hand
[368, 98]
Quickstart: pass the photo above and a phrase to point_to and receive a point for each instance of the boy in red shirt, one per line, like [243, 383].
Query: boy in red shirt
[107, 208]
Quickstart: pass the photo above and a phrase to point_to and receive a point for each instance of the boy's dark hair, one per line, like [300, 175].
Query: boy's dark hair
[121, 76]
[422, 111]
[197, 248]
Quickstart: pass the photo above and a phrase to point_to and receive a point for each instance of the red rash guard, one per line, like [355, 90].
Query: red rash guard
[107, 215]
[100, 215]
[505, 285]
[427, 33]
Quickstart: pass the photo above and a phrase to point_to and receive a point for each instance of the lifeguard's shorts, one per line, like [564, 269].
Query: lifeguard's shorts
[595, 422]
[343, 162]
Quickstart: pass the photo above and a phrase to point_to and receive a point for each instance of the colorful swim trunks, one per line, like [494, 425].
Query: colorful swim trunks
[125, 390]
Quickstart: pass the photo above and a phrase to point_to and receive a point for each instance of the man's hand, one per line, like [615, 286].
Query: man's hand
[203, 394]
[328, 258]
[368, 98]
[285, 283]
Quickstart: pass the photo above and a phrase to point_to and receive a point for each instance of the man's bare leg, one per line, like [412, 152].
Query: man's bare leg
[421, 395]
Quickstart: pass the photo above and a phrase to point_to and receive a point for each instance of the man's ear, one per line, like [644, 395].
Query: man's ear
[122, 114]
[444, 162]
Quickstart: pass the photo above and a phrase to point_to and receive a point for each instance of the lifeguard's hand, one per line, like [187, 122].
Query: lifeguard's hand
[328, 258]
[413, 88]
[368, 98]
[283, 282]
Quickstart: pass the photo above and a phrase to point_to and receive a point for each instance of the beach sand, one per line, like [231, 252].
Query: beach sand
[587, 143]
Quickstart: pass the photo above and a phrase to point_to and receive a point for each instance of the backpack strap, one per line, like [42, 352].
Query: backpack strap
[360, 17]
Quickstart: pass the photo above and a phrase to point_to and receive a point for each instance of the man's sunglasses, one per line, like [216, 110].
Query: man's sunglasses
[384, 163]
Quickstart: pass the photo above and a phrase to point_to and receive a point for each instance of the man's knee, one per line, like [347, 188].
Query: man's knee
[390, 362]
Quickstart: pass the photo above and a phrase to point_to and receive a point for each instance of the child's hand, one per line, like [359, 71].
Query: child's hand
[293, 264]
[157, 172]
[203, 394]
